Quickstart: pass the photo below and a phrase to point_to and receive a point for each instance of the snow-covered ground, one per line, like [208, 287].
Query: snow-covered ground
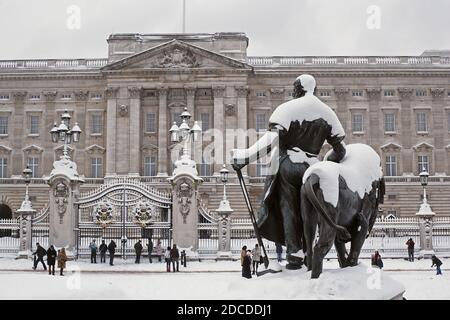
[215, 280]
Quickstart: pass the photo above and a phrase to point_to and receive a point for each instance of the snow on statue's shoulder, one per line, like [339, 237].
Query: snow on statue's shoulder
[307, 108]
[359, 168]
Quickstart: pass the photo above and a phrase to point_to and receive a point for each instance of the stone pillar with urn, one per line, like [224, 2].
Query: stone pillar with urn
[25, 214]
[224, 222]
[425, 217]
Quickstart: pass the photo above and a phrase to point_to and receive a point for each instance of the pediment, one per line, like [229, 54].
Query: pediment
[391, 146]
[33, 148]
[5, 149]
[176, 55]
[423, 146]
[95, 148]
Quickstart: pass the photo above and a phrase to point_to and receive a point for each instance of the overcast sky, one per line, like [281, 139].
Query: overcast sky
[39, 28]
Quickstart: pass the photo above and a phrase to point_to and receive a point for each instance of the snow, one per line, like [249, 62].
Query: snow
[360, 167]
[65, 167]
[299, 156]
[306, 108]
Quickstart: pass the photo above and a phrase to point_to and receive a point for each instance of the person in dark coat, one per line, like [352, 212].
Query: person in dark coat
[51, 260]
[103, 248]
[62, 258]
[174, 257]
[246, 265]
[279, 250]
[40, 253]
[410, 243]
[375, 257]
[167, 259]
[436, 262]
[112, 250]
[150, 249]
[93, 247]
[379, 262]
[300, 140]
[138, 248]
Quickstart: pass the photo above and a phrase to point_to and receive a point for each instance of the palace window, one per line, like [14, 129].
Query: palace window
[33, 164]
[357, 93]
[36, 96]
[205, 168]
[324, 93]
[423, 164]
[261, 122]
[3, 125]
[96, 167]
[3, 167]
[96, 123]
[357, 122]
[389, 122]
[421, 122]
[391, 166]
[4, 96]
[66, 96]
[204, 118]
[150, 166]
[389, 93]
[421, 93]
[150, 122]
[34, 124]
[96, 96]
[260, 93]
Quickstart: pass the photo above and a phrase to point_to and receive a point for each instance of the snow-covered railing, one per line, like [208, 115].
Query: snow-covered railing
[73, 64]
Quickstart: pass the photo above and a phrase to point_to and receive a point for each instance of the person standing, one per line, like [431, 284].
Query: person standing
[40, 253]
[112, 250]
[279, 250]
[93, 247]
[375, 258]
[246, 265]
[51, 260]
[379, 262]
[62, 258]
[150, 249]
[167, 259]
[436, 262]
[174, 257]
[410, 243]
[256, 257]
[103, 248]
[138, 249]
[159, 249]
[243, 254]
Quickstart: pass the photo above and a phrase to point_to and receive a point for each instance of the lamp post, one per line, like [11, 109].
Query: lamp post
[425, 216]
[65, 134]
[25, 213]
[184, 133]
[224, 211]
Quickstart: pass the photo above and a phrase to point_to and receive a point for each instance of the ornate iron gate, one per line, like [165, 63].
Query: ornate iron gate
[123, 210]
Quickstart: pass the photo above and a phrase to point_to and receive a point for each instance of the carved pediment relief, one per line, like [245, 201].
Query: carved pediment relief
[33, 149]
[95, 148]
[176, 54]
[422, 146]
[5, 149]
[391, 146]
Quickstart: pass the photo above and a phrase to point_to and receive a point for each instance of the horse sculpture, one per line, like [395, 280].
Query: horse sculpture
[342, 199]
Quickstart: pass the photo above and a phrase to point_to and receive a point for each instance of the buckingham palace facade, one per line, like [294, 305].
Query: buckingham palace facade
[126, 103]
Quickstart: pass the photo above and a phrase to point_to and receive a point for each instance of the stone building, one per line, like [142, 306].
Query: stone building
[126, 103]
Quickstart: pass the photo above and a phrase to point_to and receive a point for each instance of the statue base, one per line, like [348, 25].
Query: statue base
[352, 283]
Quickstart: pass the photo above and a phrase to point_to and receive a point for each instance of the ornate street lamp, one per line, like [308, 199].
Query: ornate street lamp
[425, 216]
[64, 133]
[224, 177]
[224, 211]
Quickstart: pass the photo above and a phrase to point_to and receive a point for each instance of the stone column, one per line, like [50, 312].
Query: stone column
[135, 130]
[162, 132]
[81, 97]
[439, 132]
[224, 228]
[425, 219]
[190, 99]
[341, 106]
[25, 214]
[374, 95]
[185, 212]
[49, 119]
[64, 183]
[111, 96]
[219, 132]
[408, 128]
[242, 120]
[17, 131]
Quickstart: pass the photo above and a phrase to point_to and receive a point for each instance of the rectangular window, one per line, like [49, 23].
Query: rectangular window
[421, 122]
[357, 122]
[389, 93]
[391, 166]
[34, 124]
[3, 167]
[205, 169]
[96, 96]
[4, 96]
[389, 122]
[176, 118]
[97, 167]
[260, 93]
[261, 122]
[204, 118]
[150, 166]
[33, 164]
[150, 122]
[3, 125]
[423, 164]
[96, 123]
[66, 96]
[357, 93]
[35, 96]
[421, 93]
[324, 93]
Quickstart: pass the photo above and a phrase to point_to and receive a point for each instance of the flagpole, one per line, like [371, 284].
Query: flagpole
[184, 16]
